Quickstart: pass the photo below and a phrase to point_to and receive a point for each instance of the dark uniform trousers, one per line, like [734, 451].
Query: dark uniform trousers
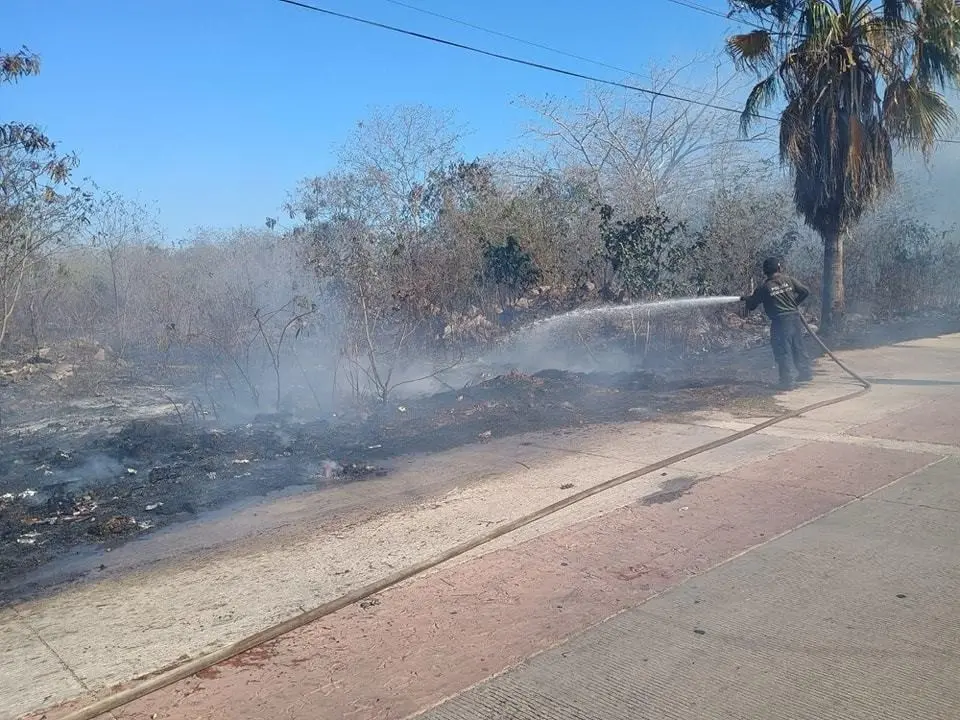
[786, 337]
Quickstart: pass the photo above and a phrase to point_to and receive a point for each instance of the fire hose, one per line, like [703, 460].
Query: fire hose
[185, 670]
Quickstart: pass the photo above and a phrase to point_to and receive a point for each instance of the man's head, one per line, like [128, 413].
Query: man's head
[770, 266]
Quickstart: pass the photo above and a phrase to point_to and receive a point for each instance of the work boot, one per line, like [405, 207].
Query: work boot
[785, 384]
[805, 377]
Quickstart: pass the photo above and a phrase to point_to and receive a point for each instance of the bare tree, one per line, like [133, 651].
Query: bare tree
[638, 151]
[369, 229]
[746, 215]
[287, 320]
[393, 153]
[116, 224]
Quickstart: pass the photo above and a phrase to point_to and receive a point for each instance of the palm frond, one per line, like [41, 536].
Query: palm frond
[861, 14]
[937, 41]
[761, 97]
[937, 44]
[781, 10]
[821, 21]
[833, 60]
[752, 50]
[916, 114]
[893, 10]
[794, 134]
[939, 64]
[856, 150]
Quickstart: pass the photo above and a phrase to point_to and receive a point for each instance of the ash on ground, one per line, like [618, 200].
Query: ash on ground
[100, 469]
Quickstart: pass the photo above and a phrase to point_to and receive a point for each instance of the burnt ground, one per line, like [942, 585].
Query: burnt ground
[96, 472]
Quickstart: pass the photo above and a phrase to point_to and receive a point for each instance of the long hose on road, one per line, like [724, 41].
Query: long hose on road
[866, 383]
[191, 667]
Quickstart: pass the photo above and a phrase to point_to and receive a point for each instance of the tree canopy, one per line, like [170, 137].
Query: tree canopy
[856, 78]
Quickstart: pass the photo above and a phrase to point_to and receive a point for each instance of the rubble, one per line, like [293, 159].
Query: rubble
[164, 473]
[116, 525]
[52, 520]
[359, 470]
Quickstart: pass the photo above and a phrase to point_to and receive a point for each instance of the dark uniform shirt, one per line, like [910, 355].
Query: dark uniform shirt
[780, 295]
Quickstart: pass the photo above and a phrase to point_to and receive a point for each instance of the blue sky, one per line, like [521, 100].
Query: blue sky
[214, 109]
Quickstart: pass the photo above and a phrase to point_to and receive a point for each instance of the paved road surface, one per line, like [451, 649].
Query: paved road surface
[854, 616]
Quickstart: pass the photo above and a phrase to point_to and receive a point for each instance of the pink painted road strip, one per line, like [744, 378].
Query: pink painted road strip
[916, 424]
[433, 637]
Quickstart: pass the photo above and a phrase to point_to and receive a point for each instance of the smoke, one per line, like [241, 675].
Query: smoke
[239, 325]
[603, 339]
[935, 184]
[63, 479]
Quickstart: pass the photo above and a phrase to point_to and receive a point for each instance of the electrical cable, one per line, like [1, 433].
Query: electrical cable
[514, 38]
[529, 63]
[519, 61]
[733, 18]
[710, 11]
[540, 46]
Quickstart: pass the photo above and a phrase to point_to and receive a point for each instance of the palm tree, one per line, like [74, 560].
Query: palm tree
[855, 77]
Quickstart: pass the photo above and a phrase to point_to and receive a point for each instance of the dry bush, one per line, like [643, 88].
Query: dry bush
[387, 275]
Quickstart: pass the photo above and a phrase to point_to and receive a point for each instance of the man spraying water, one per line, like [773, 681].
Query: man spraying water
[781, 296]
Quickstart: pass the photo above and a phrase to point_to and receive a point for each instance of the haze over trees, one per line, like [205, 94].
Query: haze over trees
[408, 256]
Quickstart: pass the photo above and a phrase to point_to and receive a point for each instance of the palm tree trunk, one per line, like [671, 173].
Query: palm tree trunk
[831, 317]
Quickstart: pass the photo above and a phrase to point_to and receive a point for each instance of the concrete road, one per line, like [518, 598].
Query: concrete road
[853, 616]
[440, 633]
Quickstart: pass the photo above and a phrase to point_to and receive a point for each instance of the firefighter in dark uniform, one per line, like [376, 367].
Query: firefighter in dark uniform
[781, 296]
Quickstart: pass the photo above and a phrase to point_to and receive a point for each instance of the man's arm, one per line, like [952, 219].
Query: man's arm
[800, 291]
[753, 301]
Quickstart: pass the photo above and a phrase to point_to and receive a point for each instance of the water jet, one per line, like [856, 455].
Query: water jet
[650, 307]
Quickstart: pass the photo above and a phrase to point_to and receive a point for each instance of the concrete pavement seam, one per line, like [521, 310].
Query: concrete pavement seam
[735, 556]
[921, 506]
[63, 663]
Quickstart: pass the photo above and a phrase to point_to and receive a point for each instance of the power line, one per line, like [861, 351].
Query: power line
[530, 63]
[701, 8]
[514, 38]
[518, 61]
[716, 13]
[540, 46]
